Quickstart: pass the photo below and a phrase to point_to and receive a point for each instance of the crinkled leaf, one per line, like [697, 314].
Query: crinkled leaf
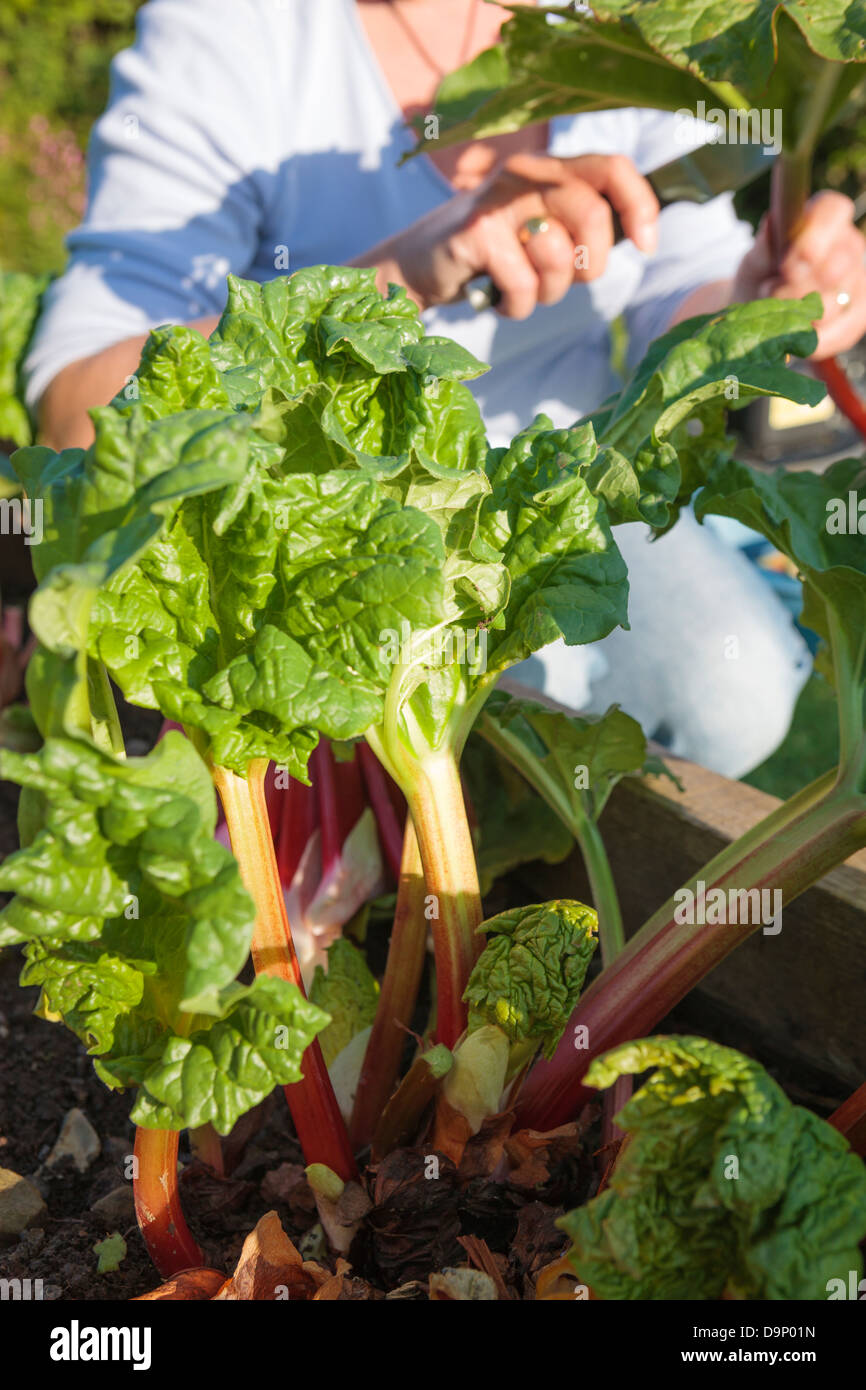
[658, 53]
[723, 1187]
[528, 978]
[548, 64]
[137, 923]
[740, 45]
[659, 437]
[175, 374]
[216, 1073]
[567, 577]
[125, 858]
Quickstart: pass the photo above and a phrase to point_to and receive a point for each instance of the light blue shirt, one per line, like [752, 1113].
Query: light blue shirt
[242, 134]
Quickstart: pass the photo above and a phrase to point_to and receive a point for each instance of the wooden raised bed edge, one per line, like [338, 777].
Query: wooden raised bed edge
[798, 995]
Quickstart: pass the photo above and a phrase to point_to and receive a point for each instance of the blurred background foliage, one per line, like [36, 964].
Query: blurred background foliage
[54, 57]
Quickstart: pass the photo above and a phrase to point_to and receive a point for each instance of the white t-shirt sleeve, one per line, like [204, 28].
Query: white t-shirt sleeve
[179, 170]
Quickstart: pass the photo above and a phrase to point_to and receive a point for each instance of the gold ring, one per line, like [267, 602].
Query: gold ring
[533, 227]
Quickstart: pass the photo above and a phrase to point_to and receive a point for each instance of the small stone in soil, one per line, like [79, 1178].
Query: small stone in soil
[77, 1140]
[117, 1207]
[21, 1204]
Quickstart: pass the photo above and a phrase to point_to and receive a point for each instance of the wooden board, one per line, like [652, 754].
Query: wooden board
[798, 994]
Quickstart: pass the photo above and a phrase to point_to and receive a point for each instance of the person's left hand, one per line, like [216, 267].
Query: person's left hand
[828, 254]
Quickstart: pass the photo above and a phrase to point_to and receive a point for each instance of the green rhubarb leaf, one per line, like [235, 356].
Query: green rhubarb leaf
[528, 978]
[84, 985]
[660, 436]
[103, 505]
[244, 605]
[739, 46]
[573, 761]
[215, 1074]
[137, 923]
[724, 1187]
[551, 62]
[125, 858]
[567, 577]
[175, 374]
[20, 300]
[762, 54]
[349, 992]
[111, 1252]
[328, 326]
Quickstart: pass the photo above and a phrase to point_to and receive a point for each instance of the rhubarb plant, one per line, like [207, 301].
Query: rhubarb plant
[366, 438]
[723, 1187]
[294, 532]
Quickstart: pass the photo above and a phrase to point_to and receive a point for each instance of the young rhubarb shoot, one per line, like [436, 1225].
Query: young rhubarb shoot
[723, 1189]
[349, 992]
[520, 995]
[400, 1119]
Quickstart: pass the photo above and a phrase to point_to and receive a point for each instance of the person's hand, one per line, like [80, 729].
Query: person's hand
[827, 254]
[535, 226]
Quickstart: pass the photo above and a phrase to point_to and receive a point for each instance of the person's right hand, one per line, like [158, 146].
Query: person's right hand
[489, 231]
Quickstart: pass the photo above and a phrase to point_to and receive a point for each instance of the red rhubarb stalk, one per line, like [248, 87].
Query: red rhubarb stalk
[850, 1120]
[297, 812]
[667, 958]
[403, 971]
[313, 1105]
[790, 188]
[382, 801]
[157, 1203]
